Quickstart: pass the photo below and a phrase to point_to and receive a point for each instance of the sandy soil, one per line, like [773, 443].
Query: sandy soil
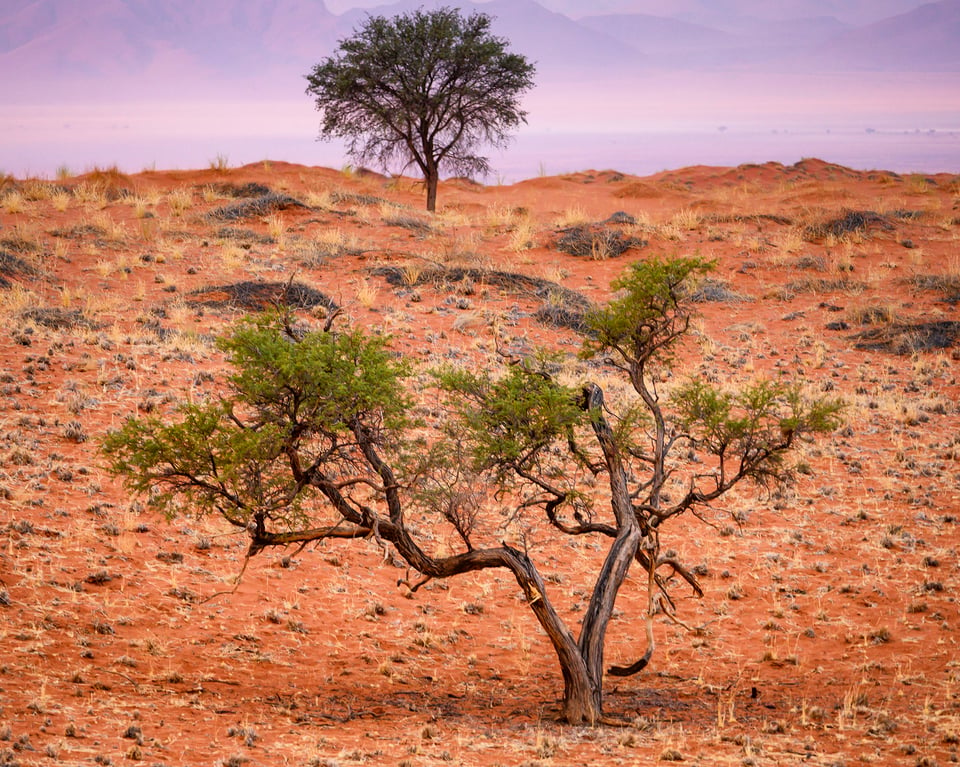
[829, 625]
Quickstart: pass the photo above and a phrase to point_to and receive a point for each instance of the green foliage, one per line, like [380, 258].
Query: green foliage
[755, 425]
[296, 408]
[423, 88]
[764, 413]
[320, 382]
[747, 432]
[648, 314]
[509, 420]
[204, 461]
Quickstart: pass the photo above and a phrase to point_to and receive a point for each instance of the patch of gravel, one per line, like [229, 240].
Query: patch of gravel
[561, 307]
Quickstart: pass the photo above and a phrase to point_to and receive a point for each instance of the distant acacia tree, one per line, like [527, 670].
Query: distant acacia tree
[322, 437]
[424, 88]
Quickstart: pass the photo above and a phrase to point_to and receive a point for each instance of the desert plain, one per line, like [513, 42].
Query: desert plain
[828, 631]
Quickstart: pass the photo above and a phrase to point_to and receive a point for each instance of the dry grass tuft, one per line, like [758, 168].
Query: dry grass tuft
[853, 222]
[910, 338]
[257, 296]
[596, 242]
[255, 208]
[947, 284]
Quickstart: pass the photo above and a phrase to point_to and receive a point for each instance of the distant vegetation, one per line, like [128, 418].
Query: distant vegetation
[424, 88]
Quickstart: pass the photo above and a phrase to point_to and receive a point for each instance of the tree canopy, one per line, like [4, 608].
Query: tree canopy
[425, 88]
[320, 436]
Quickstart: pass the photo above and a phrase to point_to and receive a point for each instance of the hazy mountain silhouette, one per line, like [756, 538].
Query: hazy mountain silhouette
[738, 15]
[676, 44]
[719, 12]
[926, 39]
[922, 39]
[92, 48]
[176, 44]
[560, 46]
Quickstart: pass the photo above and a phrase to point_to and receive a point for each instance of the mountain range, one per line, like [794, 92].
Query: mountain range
[91, 48]
[740, 14]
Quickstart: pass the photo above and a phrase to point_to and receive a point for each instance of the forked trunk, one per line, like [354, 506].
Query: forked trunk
[583, 664]
[593, 633]
[582, 692]
[583, 682]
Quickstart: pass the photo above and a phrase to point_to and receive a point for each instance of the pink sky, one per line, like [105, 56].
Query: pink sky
[782, 116]
[847, 10]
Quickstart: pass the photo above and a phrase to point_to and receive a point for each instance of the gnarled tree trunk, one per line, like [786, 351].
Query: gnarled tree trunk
[582, 691]
[622, 552]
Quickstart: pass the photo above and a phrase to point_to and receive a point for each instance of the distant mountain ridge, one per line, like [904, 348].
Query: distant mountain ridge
[730, 14]
[926, 39]
[186, 45]
[107, 37]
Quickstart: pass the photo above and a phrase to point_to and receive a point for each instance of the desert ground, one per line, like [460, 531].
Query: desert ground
[828, 633]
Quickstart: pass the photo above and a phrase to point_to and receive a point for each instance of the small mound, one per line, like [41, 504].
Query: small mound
[947, 284]
[256, 296]
[903, 338]
[349, 198]
[754, 218]
[78, 231]
[637, 190]
[620, 217]
[362, 172]
[20, 244]
[595, 241]
[820, 169]
[464, 182]
[716, 291]
[114, 184]
[248, 190]
[851, 222]
[559, 311]
[258, 206]
[245, 235]
[873, 314]
[790, 290]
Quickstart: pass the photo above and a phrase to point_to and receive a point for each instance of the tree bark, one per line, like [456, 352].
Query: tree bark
[581, 696]
[432, 179]
[622, 552]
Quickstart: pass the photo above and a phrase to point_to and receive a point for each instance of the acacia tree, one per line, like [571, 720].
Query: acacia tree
[319, 439]
[423, 88]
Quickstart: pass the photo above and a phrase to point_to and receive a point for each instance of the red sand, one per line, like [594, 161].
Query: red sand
[830, 617]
